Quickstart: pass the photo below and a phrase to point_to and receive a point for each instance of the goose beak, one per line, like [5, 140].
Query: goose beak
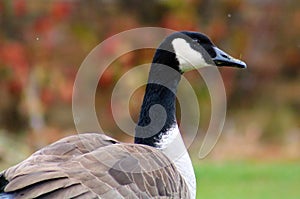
[223, 59]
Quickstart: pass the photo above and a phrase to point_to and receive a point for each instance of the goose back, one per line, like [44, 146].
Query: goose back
[94, 166]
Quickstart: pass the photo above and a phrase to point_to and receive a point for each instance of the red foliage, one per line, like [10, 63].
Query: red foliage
[19, 7]
[179, 22]
[43, 24]
[66, 91]
[1, 7]
[61, 10]
[13, 55]
[47, 96]
[107, 78]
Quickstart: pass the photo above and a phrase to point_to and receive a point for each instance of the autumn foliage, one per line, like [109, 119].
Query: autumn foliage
[44, 42]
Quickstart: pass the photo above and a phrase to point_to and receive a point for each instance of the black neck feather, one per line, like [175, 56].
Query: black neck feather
[161, 96]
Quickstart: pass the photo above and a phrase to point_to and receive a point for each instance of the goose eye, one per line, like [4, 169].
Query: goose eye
[196, 41]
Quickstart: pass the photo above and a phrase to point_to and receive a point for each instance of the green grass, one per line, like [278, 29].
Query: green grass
[248, 180]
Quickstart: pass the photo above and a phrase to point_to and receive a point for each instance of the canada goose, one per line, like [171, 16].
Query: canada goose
[92, 165]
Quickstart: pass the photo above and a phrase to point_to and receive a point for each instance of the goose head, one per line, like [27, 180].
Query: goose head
[181, 52]
[193, 50]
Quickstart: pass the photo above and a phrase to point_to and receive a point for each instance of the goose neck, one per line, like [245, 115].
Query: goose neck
[158, 111]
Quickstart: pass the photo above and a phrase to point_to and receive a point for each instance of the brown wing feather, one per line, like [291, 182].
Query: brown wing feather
[92, 166]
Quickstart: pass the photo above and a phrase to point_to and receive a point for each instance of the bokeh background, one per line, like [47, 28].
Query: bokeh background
[43, 43]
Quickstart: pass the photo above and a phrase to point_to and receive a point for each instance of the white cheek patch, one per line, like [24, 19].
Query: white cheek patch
[189, 59]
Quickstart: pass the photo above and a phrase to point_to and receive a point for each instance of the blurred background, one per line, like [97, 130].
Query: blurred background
[43, 43]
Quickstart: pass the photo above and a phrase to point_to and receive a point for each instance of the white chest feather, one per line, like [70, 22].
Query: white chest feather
[173, 146]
